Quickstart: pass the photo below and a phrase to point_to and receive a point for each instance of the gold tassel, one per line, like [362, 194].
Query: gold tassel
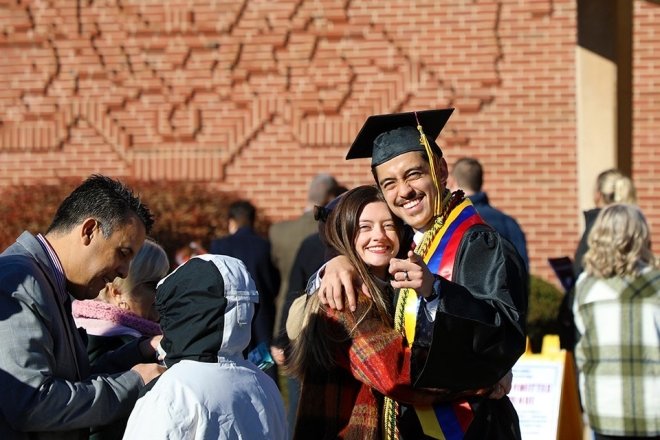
[437, 203]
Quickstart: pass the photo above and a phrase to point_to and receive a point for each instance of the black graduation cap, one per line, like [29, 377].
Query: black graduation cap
[383, 137]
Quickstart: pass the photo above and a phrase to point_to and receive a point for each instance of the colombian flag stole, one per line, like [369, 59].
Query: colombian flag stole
[446, 421]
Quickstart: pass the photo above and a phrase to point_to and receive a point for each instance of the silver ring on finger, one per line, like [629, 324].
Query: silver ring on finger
[405, 274]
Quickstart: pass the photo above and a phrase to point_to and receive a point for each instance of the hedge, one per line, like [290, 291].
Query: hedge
[183, 211]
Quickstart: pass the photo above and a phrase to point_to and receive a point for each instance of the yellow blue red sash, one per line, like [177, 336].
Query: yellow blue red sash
[446, 421]
[441, 254]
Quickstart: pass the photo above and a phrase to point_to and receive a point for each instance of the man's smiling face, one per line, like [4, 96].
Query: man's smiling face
[99, 260]
[408, 188]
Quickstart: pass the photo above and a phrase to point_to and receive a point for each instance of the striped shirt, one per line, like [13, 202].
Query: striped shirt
[56, 265]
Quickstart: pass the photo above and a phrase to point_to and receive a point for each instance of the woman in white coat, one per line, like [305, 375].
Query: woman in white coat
[210, 391]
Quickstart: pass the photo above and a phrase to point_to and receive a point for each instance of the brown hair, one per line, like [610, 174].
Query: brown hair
[468, 173]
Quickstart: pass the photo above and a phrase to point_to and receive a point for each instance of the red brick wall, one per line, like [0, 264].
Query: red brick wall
[259, 96]
[646, 111]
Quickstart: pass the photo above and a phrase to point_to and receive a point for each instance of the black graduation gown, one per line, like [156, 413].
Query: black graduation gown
[478, 333]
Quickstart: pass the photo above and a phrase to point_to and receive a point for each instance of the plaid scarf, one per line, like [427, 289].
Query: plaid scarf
[373, 360]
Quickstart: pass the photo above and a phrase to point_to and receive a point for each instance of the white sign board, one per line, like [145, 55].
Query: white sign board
[536, 395]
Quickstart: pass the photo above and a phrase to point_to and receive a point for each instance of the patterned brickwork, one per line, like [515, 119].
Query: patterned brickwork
[258, 96]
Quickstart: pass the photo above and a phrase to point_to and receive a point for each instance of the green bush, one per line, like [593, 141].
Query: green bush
[183, 211]
[544, 301]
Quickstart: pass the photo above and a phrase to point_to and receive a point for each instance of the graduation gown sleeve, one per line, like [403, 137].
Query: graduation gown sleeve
[479, 328]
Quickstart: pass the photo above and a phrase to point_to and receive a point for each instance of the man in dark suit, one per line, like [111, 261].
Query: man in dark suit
[246, 245]
[468, 175]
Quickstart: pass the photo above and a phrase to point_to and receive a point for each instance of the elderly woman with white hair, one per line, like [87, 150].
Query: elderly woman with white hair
[617, 311]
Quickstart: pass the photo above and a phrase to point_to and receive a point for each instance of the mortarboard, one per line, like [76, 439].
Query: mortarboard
[384, 137]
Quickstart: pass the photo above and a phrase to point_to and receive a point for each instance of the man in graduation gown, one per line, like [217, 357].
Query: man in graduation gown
[469, 333]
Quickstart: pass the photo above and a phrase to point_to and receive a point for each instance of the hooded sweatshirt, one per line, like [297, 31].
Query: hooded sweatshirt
[209, 391]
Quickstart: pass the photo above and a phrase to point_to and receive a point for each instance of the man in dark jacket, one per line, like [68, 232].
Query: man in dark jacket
[468, 175]
[246, 245]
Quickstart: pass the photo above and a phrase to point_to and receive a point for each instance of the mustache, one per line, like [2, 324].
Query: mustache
[408, 198]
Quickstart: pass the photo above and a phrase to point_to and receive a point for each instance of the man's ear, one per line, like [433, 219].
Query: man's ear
[452, 184]
[444, 172]
[232, 226]
[89, 227]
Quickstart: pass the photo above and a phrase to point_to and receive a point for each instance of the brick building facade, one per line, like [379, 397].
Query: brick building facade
[258, 96]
